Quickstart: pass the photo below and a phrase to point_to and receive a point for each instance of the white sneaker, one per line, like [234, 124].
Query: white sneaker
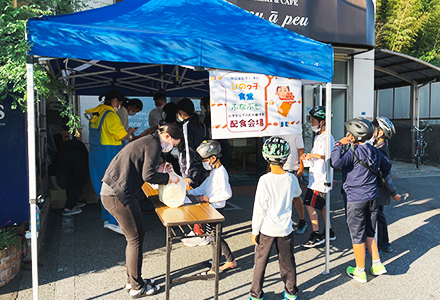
[113, 227]
[196, 241]
[72, 212]
[187, 239]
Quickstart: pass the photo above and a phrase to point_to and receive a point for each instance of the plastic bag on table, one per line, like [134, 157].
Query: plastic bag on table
[173, 194]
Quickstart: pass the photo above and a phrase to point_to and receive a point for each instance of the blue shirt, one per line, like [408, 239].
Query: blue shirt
[358, 182]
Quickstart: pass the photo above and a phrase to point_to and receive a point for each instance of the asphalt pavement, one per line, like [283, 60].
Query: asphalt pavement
[82, 260]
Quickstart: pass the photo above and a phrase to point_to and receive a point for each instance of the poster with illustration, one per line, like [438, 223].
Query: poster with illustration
[253, 105]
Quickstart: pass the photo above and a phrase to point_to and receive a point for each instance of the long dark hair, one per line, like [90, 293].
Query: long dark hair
[133, 101]
[110, 96]
[173, 130]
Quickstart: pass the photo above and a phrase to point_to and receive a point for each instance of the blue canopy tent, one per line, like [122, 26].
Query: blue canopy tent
[142, 34]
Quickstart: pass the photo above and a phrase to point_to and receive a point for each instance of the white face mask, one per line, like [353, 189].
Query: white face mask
[316, 129]
[116, 108]
[131, 113]
[179, 119]
[207, 166]
[166, 147]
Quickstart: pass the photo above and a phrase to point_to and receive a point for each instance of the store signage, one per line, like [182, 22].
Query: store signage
[253, 105]
[340, 21]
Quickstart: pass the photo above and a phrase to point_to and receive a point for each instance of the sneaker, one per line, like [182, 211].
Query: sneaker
[183, 240]
[113, 227]
[149, 281]
[302, 226]
[196, 241]
[289, 297]
[378, 269]
[332, 235]
[314, 240]
[356, 275]
[252, 298]
[80, 205]
[388, 249]
[72, 212]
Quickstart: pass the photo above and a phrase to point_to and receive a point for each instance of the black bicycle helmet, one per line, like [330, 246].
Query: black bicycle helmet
[276, 150]
[318, 112]
[361, 129]
[209, 148]
[386, 126]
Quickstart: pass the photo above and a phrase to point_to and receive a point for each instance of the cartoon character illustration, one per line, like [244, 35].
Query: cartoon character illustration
[284, 94]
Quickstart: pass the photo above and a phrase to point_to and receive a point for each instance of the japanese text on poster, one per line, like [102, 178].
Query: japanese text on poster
[252, 105]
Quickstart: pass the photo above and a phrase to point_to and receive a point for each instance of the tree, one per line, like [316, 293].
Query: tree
[13, 50]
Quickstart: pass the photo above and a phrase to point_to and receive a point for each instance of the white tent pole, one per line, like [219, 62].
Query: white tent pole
[328, 132]
[32, 171]
[320, 95]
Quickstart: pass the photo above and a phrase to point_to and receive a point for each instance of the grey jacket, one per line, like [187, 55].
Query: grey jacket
[388, 190]
[135, 164]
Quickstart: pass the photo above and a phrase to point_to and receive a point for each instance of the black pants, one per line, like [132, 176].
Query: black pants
[382, 229]
[76, 176]
[130, 220]
[210, 228]
[286, 259]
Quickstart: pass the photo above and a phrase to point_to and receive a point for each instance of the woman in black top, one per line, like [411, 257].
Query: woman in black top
[124, 177]
[194, 132]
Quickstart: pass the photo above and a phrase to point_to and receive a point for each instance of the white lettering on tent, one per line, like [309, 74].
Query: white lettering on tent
[296, 21]
[258, 14]
[273, 18]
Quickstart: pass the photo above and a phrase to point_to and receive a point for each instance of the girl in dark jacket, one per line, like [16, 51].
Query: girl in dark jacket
[193, 131]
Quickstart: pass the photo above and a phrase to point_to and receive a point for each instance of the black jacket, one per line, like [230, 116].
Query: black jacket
[388, 190]
[135, 164]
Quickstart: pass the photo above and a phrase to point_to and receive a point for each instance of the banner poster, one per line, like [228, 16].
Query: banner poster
[254, 105]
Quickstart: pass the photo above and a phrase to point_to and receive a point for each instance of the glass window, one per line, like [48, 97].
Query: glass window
[435, 101]
[340, 76]
[402, 103]
[386, 103]
[424, 101]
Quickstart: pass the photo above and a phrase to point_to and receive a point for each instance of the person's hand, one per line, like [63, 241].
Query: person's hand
[300, 172]
[397, 197]
[203, 199]
[255, 240]
[346, 140]
[131, 130]
[309, 156]
[168, 167]
[173, 178]
[303, 156]
[161, 168]
[188, 182]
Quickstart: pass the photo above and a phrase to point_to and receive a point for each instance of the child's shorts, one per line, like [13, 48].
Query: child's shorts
[361, 220]
[315, 199]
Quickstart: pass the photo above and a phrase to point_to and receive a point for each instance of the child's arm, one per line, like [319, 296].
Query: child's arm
[259, 209]
[222, 190]
[200, 190]
[339, 160]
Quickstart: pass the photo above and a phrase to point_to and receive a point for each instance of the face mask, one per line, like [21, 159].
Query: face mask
[166, 147]
[179, 119]
[203, 109]
[207, 166]
[316, 129]
[116, 108]
[131, 113]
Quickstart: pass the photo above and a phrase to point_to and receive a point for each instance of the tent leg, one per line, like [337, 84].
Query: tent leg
[328, 132]
[32, 171]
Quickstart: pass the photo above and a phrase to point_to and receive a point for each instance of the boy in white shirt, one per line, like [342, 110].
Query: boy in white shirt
[272, 219]
[214, 190]
[316, 194]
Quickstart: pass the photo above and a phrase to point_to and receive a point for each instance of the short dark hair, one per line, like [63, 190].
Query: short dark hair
[159, 96]
[111, 95]
[136, 102]
[173, 130]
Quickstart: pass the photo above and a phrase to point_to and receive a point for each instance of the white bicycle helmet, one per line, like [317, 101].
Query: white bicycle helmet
[386, 126]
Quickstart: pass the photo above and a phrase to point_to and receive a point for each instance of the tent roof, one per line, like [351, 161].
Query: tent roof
[393, 69]
[205, 33]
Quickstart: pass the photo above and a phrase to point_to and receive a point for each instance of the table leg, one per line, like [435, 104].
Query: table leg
[218, 236]
[167, 276]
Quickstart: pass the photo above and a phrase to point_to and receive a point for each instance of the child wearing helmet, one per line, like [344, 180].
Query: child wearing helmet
[360, 168]
[383, 131]
[215, 190]
[272, 219]
[317, 190]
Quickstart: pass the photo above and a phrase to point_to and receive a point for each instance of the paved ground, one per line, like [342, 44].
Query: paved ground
[81, 260]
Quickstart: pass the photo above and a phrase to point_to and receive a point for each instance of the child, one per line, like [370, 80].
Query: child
[359, 165]
[316, 194]
[272, 219]
[383, 131]
[215, 190]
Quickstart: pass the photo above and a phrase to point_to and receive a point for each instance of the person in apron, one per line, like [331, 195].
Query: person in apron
[105, 135]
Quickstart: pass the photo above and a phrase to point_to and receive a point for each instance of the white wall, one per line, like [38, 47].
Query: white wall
[362, 82]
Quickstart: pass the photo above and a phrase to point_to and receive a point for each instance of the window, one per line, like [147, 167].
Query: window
[402, 103]
[386, 100]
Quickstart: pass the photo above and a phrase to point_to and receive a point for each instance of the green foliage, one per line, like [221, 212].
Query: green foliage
[411, 27]
[8, 238]
[13, 50]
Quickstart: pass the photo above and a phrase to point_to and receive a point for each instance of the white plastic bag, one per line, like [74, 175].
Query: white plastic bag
[173, 194]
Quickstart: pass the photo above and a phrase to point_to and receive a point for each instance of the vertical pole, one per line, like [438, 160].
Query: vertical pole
[218, 236]
[167, 275]
[328, 132]
[377, 103]
[320, 95]
[32, 171]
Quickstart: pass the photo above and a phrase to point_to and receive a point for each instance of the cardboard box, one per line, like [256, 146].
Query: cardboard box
[58, 198]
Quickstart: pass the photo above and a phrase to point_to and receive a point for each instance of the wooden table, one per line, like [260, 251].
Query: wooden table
[188, 214]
